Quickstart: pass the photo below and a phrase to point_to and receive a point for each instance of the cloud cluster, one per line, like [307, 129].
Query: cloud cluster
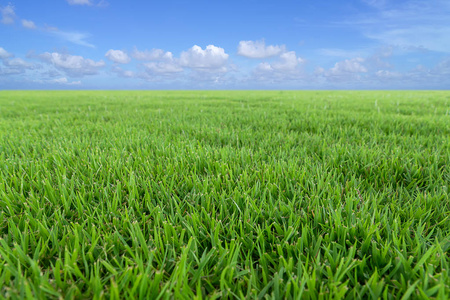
[286, 66]
[354, 65]
[203, 64]
[14, 66]
[343, 71]
[72, 65]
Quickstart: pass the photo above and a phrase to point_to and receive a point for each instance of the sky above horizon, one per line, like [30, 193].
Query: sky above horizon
[246, 44]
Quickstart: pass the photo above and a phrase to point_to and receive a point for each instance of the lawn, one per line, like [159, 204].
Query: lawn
[225, 194]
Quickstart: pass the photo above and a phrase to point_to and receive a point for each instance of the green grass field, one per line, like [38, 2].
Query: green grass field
[193, 195]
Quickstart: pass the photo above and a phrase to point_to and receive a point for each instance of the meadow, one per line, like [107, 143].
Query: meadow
[225, 194]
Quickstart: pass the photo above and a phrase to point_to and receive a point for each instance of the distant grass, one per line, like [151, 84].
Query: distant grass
[297, 195]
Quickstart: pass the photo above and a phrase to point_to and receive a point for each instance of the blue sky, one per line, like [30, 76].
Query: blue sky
[245, 44]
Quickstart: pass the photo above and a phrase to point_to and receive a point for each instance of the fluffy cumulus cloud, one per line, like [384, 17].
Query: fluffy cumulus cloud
[72, 65]
[79, 2]
[118, 56]
[287, 68]
[8, 14]
[154, 54]
[28, 24]
[258, 49]
[211, 58]
[288, 62]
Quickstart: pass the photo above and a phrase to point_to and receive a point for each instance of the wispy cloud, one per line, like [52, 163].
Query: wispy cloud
[74, 37]
[415, 24]
[343, 53]
[101, 3]
[79, 2]
[79, 38]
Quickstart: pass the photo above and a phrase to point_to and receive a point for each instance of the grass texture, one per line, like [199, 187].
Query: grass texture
[225, 194]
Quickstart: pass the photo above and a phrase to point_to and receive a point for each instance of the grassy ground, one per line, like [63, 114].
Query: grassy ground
[310, 195]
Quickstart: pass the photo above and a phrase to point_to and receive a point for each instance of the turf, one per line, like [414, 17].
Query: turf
[227, 194]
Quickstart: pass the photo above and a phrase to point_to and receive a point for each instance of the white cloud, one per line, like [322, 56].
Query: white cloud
[265, 67]
[162, 62]
[211, 58]
[8, 14]
[4, 54]
[154, 54]
[15, 65]
[288, 62]
[258, 49]
[118, 56]
[28, 24]
[163, 67]
[72, 65]
[79, 2]
[349, 70]
[348, 66]
[286, 68]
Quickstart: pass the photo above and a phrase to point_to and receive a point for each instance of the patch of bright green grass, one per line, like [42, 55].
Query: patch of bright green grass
[296, 195]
